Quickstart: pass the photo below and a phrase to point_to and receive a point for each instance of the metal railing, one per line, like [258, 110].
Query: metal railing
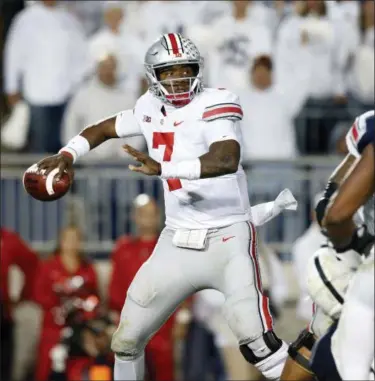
[102, 194]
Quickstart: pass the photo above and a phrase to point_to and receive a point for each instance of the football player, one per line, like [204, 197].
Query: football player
[352, 341]
[361, 134]
[194, 145]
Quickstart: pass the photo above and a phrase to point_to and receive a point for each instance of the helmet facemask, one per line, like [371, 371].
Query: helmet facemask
[177, 91]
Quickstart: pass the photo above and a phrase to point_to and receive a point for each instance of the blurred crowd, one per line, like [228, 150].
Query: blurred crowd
[303, 69]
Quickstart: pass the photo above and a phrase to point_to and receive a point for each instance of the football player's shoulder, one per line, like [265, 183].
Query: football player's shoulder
[221, 104]
[143, 103]
[361, 133]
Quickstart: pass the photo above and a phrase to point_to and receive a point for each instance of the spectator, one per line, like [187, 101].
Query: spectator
[128, 256]
[89, 13]
[345, 11]
[116, 37]
[232, 43]
[268, 134]
[95, 100]
[61, 280]
[49, 68]
[271, 135]
[329, 59]
[172, 17]
[14, 252]
[361, 76]
[9, 8]
[84, 349]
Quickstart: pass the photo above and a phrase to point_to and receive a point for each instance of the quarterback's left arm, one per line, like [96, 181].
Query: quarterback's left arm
[352, 194]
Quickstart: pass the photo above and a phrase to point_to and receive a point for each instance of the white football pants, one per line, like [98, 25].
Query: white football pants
[229, 264]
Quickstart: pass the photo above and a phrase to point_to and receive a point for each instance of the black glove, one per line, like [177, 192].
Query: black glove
[321, 206]
[361, 242]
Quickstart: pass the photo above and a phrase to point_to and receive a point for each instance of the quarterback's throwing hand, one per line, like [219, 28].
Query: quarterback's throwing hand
[148, 166]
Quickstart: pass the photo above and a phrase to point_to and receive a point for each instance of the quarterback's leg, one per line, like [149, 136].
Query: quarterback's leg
[246, 307]
[157, 289]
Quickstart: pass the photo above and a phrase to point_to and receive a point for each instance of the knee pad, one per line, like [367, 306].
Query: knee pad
[125, 347]
[261, 348]
[305, 340]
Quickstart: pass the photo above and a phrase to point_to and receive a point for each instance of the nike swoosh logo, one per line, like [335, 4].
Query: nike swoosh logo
[177, 123]
[154, 54]
[225, 239]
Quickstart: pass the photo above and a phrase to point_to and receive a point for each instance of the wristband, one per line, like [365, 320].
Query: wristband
[189, 170]
[77, 147]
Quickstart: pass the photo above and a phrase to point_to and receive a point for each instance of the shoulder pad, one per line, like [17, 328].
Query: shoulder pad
[222, 104]
[361, 133]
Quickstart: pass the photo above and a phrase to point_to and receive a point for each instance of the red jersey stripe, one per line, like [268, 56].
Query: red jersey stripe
[223, 110]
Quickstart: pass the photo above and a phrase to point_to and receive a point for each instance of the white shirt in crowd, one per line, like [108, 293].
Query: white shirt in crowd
[329, 53]
[128, 49]
[303, 249]
[361, 75]
[95, 101]
[229, 47]
[88, 12]
[268, 130]
[161, 17]
[46, 52]
[344, 12]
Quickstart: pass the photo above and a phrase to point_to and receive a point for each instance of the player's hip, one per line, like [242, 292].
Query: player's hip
[211, 223]
[229, 238]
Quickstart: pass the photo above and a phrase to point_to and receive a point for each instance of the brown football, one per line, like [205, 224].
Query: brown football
[45, 188]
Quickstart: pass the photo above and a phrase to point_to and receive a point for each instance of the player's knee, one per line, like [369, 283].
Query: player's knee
[125, 345]
[267, 352]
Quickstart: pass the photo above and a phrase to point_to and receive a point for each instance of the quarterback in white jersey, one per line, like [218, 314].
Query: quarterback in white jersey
[209, 241]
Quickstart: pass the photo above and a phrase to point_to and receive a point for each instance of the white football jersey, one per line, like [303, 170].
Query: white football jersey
[176, 134]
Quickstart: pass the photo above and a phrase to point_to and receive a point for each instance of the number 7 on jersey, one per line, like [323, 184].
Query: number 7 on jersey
[166, 139]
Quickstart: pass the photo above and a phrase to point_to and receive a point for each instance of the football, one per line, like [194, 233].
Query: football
[45, 188]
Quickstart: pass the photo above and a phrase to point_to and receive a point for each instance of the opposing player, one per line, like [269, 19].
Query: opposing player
[297, 366]
[194, 145]
[352, 343]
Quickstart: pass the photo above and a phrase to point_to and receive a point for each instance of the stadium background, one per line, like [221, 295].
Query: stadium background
[101, 198]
